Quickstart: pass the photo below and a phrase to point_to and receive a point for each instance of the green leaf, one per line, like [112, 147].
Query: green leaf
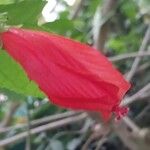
[6, 2]
[61, 26]
[14, 78]
[116, 44]
[129, 8]
[24, 12]
[93, 6]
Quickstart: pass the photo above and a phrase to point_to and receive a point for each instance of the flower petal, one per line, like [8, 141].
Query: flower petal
[72, 74]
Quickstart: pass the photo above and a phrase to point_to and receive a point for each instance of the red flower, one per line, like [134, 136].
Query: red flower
[72, 74]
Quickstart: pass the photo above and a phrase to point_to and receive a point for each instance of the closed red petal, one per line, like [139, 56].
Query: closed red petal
[71, 74]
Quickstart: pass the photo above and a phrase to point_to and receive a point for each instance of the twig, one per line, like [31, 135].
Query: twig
[137, 59]
[7, 119]
[76, 12]
[122, 130]
[98, 134]
[143, 118]
[42, 120]
[129, 55]
[144, 92]
[28, 139]
[101, 142]
[86, 126]
[101, 23]
[131, 125]
[89, 140]
[132, 136]
[49, 126]
[141, 68]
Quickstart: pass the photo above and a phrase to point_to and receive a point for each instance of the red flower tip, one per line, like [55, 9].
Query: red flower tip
[120, 112]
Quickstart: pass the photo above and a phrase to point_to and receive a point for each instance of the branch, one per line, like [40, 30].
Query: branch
[131, 135]
[101, 142]
[28, 138]
[7, 119]
[92, 137]
[100, 133]
[49, 126]
[76, 12]
[129, 55]
[137, 59]
[144, 92]
[143, 118]
[101, 22]
[42, 120]
[141, 68]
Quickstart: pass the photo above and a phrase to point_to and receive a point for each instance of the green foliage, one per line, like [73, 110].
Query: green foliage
[61, 26]
[13, 77]
[23, 13]
[40, 112]
[128, 28]
[125, 43]
[129, 9]
[66, 27]
[5, 2]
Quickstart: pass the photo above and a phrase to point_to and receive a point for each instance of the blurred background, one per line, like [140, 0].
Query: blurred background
[120, 29]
